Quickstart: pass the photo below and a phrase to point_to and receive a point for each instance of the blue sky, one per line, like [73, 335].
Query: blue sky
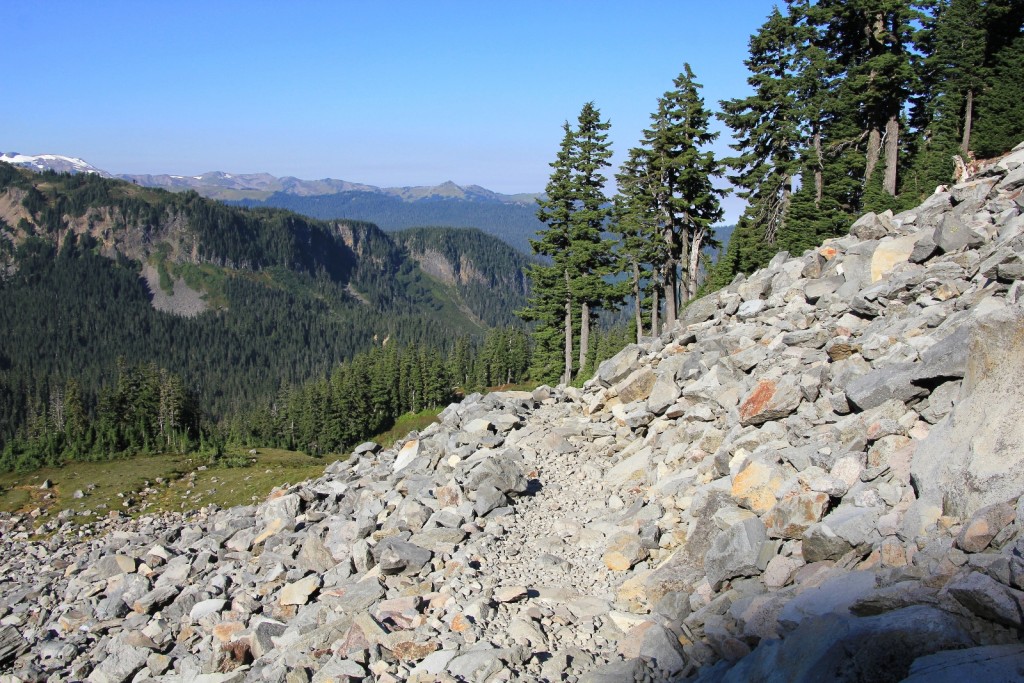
[386, 93]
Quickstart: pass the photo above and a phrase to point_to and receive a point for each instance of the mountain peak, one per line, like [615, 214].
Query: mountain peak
[52, 162]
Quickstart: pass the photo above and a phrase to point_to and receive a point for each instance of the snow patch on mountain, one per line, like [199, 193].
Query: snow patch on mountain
[52, 162]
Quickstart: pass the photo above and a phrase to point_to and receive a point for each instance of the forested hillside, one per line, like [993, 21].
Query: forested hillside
[288, 299]
[514, 223]
[475, 264]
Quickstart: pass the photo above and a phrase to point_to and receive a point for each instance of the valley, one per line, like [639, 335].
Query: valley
[235, 307]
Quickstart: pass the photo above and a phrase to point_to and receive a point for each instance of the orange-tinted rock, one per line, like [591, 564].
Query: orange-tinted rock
[791, 517]
[637, 386]
[460, 623]
[754, 487]
[983, 526]
[624, 550]
[449, 495]
[769, 400]
[892, 553]
[226, 630]
[407, 651]
[757, 399]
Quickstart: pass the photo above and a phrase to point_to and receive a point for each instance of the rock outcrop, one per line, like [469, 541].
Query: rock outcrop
[817, 475]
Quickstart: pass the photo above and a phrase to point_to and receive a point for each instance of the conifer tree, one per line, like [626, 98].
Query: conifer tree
[556, 210]
[590, 255]
[636, 221]
[675, 180]
[574, 210]
[872, 41]
[545, 308]
[767, 127]
[999, 125]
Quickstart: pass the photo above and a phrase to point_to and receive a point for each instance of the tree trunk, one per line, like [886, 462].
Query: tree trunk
[669, 291]
[777, 219]
[693, 277]
[965, 143]
[636, 298]
[892, 146]
[669, 278]
[819, 182]
[686, 258]
[873, 153]
[584, 333]
[655, 304]
[567, 377]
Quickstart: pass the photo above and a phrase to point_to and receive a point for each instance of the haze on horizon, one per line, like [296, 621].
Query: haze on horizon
[389, 94]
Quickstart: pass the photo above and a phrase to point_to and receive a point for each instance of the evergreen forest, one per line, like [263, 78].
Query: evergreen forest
[90, 369]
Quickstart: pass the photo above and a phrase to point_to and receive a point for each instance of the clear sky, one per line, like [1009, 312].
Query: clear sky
[385, 93]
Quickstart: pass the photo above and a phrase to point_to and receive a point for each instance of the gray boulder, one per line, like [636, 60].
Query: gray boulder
[989, 599]
[120, 665]
[971, 459]
[397, 556]
[735, 551]
[871, 227]
[991, 663]
[849, 649]
[619, 366]
[11, 644]
[501, 470]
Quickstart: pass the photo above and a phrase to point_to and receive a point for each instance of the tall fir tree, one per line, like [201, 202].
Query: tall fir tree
[554, 283]
[767, 127]
[591, 256]
[999, 125]
[676, 182]
[574, 210]
[636, 222]
[872, 40]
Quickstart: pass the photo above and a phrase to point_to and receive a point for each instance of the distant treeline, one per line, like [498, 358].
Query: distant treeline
[147, 409]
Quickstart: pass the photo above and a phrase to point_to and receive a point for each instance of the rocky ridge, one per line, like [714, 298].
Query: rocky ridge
[815, 476]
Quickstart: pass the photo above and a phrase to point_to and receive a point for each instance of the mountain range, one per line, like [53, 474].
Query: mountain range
[97, 272]
[511, 218]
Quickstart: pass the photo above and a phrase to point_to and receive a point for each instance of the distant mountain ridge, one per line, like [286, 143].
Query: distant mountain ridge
[509, 217]
[52, 162]
[223, 185]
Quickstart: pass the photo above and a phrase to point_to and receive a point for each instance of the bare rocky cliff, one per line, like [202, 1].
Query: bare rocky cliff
[816, 475]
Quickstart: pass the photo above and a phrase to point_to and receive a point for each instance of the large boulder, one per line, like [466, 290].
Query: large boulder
[985, 663]
[770, 400]
[840, 647]
[973, 458]
[637, 386]
[890, 253]
[735, 552]
[619, 366]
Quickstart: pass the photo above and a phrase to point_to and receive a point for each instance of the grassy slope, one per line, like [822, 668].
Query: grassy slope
[185, 481]
[184, 486]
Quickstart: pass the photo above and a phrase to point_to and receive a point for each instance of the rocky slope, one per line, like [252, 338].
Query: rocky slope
[815, 476]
